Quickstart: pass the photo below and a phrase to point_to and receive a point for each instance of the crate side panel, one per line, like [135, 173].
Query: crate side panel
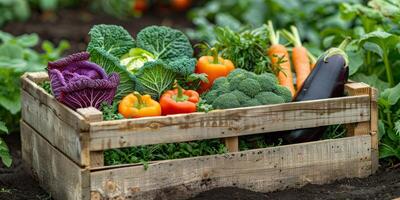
[228, 123]
[260, 170]
[65, 114]
[58, 175]
[45, 121]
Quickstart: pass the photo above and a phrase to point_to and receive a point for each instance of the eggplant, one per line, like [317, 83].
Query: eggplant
[326, 80]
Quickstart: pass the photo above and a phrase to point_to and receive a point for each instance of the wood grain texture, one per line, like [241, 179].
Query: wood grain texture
[228, 123]
[59, 110]
[44, 120]
[374, 130]
[260, 170]
[232, 144]
[38, 77]
[91, 114]
[58, 175]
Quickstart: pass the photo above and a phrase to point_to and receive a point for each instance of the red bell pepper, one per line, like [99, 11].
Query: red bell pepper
[179, 101]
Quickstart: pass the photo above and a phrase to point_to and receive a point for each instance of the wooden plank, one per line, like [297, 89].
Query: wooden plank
[44, 120]
[38, 77]
[58, 175]
[228, 123]
[261, 170]
[374, 130]
[91, 114]
[357, 89]
[232, 144]
[61, 111]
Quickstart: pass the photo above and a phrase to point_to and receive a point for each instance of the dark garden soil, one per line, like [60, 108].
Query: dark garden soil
[74, 25]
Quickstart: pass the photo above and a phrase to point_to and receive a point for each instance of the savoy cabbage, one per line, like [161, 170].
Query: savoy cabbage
[107, 44]
[171, 58]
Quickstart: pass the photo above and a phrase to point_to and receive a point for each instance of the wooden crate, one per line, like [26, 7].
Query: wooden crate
[64, 148]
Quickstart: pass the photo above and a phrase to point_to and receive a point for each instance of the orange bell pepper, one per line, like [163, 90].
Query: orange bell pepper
[179, 101]
[215, 67]
[135, 105]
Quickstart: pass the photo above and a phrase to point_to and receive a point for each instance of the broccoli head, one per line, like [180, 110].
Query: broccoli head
[250, 87]
[242, 88]
[267, 98]
[225, 101]
[284, 93]
[267, 81]
[252, 102]
[241, 97]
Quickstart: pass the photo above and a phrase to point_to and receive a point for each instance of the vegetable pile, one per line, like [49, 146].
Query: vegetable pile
[156, 73]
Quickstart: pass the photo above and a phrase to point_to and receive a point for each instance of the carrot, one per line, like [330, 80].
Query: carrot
[300, 60]
[280, 59]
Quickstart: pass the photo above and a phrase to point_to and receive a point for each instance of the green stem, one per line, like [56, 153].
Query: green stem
[390, 123]
[180, 97]
[344, 44]
[273, 36]
[389, 73]
[141, 104]
[214, 52]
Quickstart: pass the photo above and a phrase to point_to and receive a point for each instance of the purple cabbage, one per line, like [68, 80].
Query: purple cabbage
[78, 83]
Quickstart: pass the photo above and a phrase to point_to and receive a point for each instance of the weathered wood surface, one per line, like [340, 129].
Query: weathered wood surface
[258, 170]
[374, 130]
[91, 114]
[228, 123]
[59, 110]
[58, 175]
[370, 127]
[49, 125]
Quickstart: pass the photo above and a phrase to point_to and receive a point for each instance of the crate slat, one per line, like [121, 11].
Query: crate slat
[61, 111]
[228, 123]
[59, 176]
[60, 134]
[260, 170]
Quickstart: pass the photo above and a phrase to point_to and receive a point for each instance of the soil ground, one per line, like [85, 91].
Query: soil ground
[73, 25]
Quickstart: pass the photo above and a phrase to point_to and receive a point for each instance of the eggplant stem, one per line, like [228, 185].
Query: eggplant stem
[340, 50]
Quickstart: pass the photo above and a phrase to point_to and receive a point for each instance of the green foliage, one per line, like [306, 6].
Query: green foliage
[4, 151]
[173, 59]
[242, 88]
[46, 86]
[143, 154]
[108, 43]
[13, 10]
[17, 56]
[154, 78]
[246, 49]
[110, 112]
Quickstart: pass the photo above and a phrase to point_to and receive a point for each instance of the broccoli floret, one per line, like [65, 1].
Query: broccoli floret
[250, 87]
[219, 82]
[241, 97]
[284, 93]
[236, 72]
[267, 82]
[242, 88]
[269, 98]
[210, 96]
[252, 102]
[224, 101]
[235, 82]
